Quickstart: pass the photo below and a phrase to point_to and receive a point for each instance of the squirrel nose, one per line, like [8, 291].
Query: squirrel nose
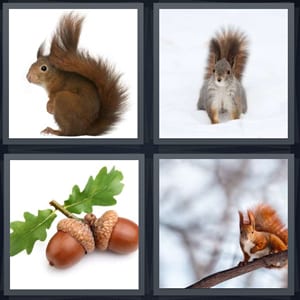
[219, 79]
[28, 77]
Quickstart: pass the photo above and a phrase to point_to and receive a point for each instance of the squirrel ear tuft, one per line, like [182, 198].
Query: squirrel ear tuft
[41, 50]
[241, 218]
[251, 218]
[215, 49]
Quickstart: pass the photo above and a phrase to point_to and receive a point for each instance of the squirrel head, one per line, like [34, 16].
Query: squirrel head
[42, 72]
[222, 72]
[247, 228]
[232, 45]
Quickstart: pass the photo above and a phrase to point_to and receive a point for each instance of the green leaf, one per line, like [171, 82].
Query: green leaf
[99, 191]
[25, 234]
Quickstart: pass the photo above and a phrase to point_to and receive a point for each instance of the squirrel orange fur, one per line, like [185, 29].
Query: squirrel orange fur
[85, 95]
[262, 234]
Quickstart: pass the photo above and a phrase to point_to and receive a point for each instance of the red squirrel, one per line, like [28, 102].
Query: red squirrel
[262, 234]
[85, 94]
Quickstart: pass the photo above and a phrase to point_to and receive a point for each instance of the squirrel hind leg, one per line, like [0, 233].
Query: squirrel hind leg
[234, 114]
[243, 101]
[73, 115]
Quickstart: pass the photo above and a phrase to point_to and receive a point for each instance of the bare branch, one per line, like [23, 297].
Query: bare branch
[276, 260]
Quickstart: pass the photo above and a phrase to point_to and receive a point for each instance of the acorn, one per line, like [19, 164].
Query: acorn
[72, 241]
[113, 233]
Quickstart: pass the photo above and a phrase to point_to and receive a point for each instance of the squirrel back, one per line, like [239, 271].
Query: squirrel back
[85, 94]
[230, 45]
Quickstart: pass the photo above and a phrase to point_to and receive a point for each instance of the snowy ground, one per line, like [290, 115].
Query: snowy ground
[184, 37]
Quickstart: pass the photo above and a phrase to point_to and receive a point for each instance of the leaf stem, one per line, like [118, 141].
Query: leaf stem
[63, 210]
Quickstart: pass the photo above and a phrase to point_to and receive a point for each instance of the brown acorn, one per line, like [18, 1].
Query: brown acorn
[114, 233]
[72, 241]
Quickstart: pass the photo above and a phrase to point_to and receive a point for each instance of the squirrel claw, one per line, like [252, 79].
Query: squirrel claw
[49, 130]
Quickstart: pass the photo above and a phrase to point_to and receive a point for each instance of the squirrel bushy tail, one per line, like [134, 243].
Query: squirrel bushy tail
[229, 44]
[65, 55]
[266, 219]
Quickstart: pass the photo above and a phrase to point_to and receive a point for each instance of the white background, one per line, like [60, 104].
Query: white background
[184, 40]
[107, 33]
[32, 185]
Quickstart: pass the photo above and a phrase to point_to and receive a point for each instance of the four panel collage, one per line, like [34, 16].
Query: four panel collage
[145, 201]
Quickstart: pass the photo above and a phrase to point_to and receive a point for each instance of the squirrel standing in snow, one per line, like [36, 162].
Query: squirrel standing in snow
[222, 90]
[85, 95]
[262, 234]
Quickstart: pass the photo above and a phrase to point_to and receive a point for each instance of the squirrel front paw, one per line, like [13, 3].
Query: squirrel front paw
[50, 107]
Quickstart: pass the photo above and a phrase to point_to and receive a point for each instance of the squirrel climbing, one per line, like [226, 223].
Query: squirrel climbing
[222, 90]
[262, 234]
[85, 94]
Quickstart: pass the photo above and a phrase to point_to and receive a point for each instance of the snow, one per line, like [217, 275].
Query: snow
[184, 35]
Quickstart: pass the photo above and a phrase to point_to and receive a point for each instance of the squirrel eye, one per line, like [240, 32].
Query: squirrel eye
[228, 72]
[44, 68]
[214, 70]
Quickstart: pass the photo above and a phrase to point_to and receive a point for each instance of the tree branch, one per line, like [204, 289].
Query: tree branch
[276, 260]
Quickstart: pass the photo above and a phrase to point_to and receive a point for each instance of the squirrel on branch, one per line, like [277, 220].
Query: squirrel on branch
[222, 91]
[85, 94]
[262, 234]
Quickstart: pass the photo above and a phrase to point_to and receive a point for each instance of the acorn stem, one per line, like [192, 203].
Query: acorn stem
[61, 208]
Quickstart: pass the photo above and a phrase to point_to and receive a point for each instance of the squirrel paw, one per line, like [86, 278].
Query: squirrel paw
[49, 130]
[50, 108]
[242, 263]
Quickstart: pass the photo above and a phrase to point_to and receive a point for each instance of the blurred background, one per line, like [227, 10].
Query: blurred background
[199, 201]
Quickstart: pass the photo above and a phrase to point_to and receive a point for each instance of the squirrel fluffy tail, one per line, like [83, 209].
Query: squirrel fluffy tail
[65, 56]
[231, 45]
[266, 219]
